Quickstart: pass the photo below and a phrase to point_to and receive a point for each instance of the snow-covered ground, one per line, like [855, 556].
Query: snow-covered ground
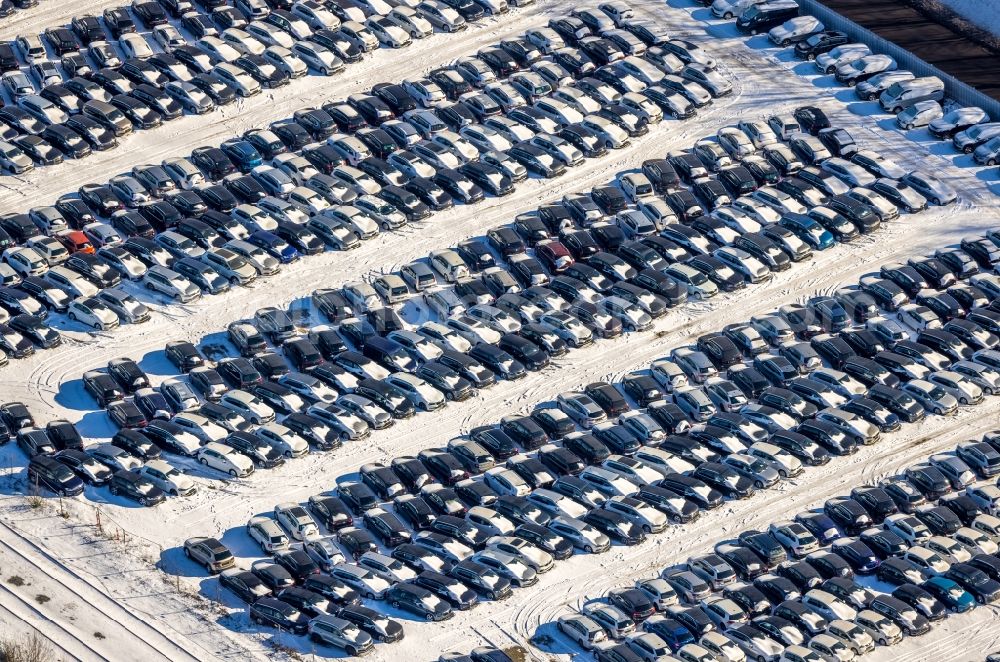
[98, 582]
[983, 13]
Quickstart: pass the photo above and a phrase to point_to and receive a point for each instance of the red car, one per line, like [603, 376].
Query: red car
[555, 255]
[75, 241]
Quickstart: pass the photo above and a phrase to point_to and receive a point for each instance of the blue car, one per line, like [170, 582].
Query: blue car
[808, 230]
[274, 245]
[244, 155]
[953, 596]
[672, 632]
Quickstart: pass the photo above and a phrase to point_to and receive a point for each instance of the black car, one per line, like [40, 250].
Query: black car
[246, 585]
[374, 623]
[48, 472]
[358, 497]
[135, 487]
[777, 589]
[820, 42]
[811, 119]
[297, 563]
[279, 614]
[975, 581]
[331, 512]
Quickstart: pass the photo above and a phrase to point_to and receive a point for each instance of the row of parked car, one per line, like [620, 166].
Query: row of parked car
[826, 586]
[492, 323]
[104, 89]
[9, 7]
[191, 253]
[916, 101]
[93, 109]
[622, 481]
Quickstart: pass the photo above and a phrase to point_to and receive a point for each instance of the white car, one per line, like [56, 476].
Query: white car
[324, 551]
[315, 15]
[441, 16]
[919, 114]
[534, 557]
[93, 313]
[243, 41]
[318, 58]
[473, 330]
[423, 395]
[225, 459]
[794, 29]
[219, 50]
[168, 478]
[169, 282]
[296, 521]
[134, 45]
[388, 33]
[987, 498]
[283, 439]
[239, 80]
[271, 35]
[202, 428]
[907, 527]
[362, 580]
[411, 21]
[266, 532]
[612, 135]
[829, 61]
[168, 37]
[729, 9]
[13, 160]
[286, 61]
[26, 261]
[114, 457]
[248, 406]
[583, 630]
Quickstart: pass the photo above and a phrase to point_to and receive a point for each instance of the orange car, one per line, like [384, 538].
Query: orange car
[75, 241]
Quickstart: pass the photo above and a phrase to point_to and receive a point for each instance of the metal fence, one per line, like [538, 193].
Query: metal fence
[960, 92]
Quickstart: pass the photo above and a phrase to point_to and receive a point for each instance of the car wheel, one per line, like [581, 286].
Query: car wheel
[351, 650]
[608, 144]
[759, 484]
[98, 326]
[174, 493]
[784, 43]
[114, 490]
[647, 529]
[72, 316]
[938, 411]
[232, 472]
[203, 461]
[936, 201]
[810, 57]
[963, 401]
[429, 616]
[588, 549]
[326, 72]
[728, 16]
[783, 474]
